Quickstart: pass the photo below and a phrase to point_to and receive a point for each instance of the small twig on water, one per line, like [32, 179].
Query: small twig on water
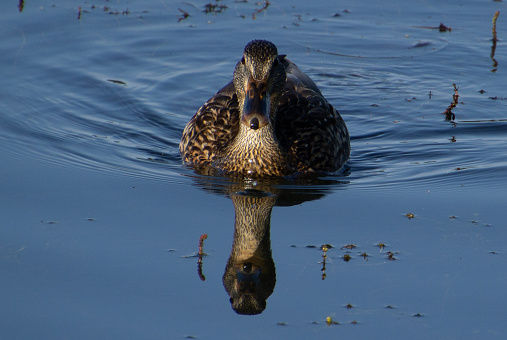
[184, 15]
[448, 112]
[266, 5]
[324, 248]
[441, 28]
[493, 48]
[201, 254]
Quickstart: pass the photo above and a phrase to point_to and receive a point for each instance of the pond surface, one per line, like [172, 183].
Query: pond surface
[100, 222]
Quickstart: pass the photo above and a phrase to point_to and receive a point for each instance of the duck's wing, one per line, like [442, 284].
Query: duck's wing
[214, 125]
[312, 131]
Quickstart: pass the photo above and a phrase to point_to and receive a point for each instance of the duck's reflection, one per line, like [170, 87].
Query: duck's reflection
[250, 274]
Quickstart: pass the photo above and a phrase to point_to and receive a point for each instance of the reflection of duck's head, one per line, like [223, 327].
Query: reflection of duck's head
[244, 285]
[250, 275]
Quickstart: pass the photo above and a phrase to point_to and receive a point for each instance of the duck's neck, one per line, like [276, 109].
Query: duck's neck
[255, 153]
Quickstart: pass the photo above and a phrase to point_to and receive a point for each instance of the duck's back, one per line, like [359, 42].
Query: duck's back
[313, 132]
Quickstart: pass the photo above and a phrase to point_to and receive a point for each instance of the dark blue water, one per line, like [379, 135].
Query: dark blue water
[100, 222]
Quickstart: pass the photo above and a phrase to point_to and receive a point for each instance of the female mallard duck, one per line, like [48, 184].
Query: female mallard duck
[270, 120]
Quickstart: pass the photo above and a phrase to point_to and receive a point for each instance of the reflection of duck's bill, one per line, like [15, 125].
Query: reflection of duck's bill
[247, 278]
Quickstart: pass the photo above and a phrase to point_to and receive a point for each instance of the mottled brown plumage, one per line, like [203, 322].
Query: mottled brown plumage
[271, 120]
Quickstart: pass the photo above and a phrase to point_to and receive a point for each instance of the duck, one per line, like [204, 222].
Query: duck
[271, 119]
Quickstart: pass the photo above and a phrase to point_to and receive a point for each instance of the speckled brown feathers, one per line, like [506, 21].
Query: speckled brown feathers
[312, 130]
[212, 127]
[302, 132]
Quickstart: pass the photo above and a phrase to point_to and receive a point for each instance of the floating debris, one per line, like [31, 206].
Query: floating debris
[79, 12]
[418, 315]
[117, 82]
[214, 8]
[349, 306]
[184, 15]
[201, 243]
[349, 246]
[381, 246]
[448, 112]
[298, 20]
[201, 254]
[326, 247]
[390, 256]
[494, 40]
[110, 11]
[346, 257]
[329, 321]
[265, 7]
[441, 27]
[281, 324]
[410, 216]
[324, 257]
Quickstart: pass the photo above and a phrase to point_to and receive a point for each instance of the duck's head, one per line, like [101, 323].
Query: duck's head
[259, 79]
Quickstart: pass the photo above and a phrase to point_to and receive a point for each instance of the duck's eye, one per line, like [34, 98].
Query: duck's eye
[243, 60]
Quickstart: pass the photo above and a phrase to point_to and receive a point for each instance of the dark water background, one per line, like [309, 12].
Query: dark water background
[99, 222]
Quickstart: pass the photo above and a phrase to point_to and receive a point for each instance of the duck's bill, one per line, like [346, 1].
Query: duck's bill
[256, 105]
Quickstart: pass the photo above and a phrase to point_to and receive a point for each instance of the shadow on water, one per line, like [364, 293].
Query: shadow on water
[250, 273]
